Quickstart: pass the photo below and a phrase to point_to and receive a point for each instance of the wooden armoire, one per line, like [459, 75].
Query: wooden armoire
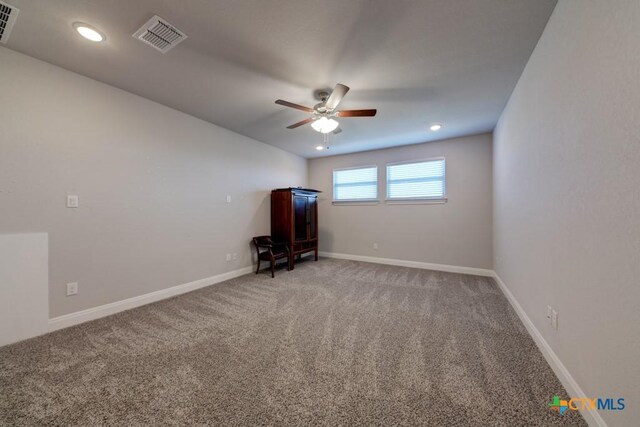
[294, 220]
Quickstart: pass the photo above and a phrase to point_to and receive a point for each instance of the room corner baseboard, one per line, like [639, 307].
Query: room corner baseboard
[593, 418]
[413, 264]
[93, 313]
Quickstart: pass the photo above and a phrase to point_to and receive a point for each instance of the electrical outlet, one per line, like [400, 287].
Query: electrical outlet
[228, 257]
[228, 199]
[375, 246]
[549, 310]
[554, 320]
[72, 288]
[235, 256]
[72, 201]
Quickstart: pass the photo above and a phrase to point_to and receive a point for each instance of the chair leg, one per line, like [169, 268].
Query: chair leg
[258, 267]
[273, 270]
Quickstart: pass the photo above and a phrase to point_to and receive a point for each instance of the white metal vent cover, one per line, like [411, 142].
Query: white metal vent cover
[8, 16]
[159, 34]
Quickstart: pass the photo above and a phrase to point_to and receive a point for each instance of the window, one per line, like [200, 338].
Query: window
[416, 180]
[355, 184]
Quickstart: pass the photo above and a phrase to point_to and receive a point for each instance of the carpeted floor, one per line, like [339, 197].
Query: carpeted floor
[330, 343]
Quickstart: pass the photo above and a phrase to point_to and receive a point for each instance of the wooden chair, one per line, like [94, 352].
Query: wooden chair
[274, 251]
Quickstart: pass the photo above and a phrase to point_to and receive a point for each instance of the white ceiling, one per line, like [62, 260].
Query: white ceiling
[418, 62]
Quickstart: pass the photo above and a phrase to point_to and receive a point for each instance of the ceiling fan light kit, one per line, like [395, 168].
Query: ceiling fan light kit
[324, 112]
[324, 125]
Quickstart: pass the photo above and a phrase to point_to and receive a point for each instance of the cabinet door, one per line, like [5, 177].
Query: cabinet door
[300, 217]
[313, 217]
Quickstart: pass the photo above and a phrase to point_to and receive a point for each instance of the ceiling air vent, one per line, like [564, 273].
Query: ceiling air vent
[159, 34]
[8, 15]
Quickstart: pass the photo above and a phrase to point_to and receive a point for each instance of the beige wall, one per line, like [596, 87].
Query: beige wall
[567, 195]
[455, 233]
[152, 184]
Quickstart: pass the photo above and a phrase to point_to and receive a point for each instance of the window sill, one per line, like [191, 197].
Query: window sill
[355, 202]
[416, 201]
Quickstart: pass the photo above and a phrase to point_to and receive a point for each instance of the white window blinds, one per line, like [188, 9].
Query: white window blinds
[419, 180]
[355, 184]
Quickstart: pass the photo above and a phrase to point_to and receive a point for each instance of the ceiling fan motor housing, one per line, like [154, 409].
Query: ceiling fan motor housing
[322, 110]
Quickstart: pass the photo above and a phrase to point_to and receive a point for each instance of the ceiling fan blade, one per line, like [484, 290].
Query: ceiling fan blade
[292, 105]
[301, 123]
[357, 113]
[336, 96]
[337, 131]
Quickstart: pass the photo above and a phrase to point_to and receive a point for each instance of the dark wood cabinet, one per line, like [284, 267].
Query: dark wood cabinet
[294, 220]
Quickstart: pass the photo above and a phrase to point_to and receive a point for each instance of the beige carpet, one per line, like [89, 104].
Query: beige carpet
[330, 343]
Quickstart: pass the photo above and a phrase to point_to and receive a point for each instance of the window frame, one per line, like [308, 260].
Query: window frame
[373, 201]
[417, 200]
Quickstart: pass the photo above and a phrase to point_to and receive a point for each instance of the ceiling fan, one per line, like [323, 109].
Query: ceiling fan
[324, 113]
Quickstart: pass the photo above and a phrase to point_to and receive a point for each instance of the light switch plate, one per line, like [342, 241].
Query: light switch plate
[228, 199]
[72, 201]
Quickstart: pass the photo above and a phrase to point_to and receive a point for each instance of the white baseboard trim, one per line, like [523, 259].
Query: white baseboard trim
[412, 264]
[593, 418]
[93, 313]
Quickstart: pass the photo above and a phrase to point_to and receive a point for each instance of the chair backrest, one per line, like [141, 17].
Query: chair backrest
[262, 241]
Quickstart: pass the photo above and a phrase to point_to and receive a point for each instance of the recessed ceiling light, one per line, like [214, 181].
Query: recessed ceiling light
[88, 32]
[436, 127]
[319, 147]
